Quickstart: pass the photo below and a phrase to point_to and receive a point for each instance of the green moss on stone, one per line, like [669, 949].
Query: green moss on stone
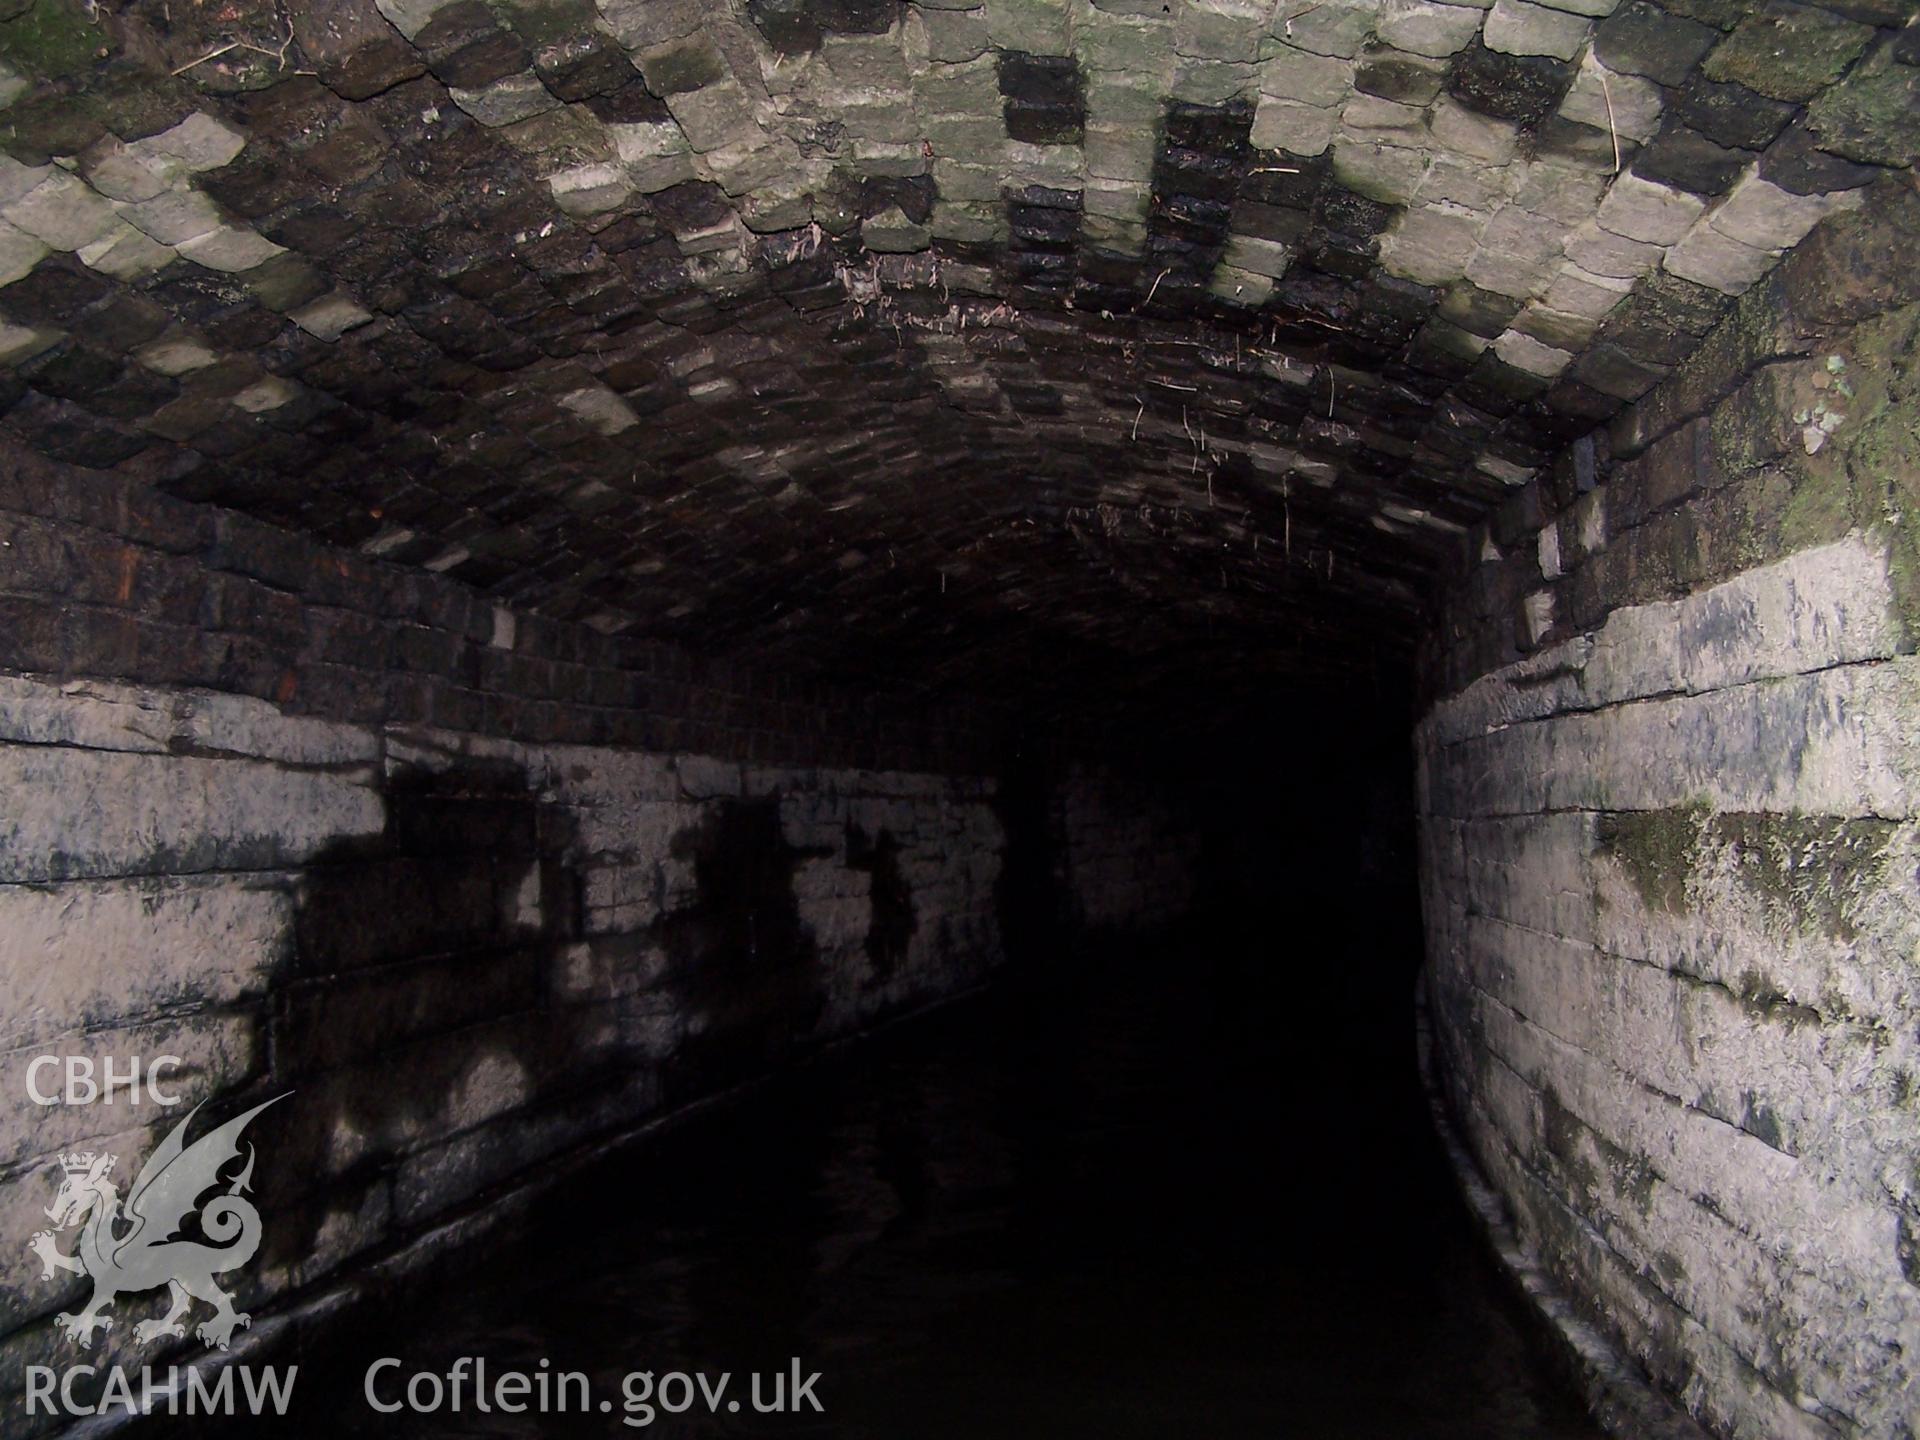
[1820, 507]
[1880, 446]
[1873, 115]
[52, 40]
[1813, 871]
[1764, 998]
[1658, 849]
[1788, 52]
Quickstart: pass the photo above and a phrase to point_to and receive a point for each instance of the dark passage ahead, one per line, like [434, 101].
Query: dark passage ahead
[1164, 1202]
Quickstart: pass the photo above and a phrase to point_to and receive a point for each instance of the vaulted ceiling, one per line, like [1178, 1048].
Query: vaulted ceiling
[1027, 343]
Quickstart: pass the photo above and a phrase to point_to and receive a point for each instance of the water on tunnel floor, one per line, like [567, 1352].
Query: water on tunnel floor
[1156, 1201]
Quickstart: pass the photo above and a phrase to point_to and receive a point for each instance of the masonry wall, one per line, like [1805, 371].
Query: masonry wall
[1669, 783]
[477, 889]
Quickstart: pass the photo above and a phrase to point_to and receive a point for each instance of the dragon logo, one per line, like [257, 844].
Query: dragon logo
[148, 1252]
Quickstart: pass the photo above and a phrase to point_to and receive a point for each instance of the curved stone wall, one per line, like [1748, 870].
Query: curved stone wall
[1670, 848]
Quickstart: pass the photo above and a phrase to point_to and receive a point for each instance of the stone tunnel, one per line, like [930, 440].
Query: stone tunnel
[1121, 717]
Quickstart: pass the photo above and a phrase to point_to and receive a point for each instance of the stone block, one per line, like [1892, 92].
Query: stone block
[1298, 129]
[891, 232]
[968, 223]
[1641, 210]
[410, 17]
[714, 117]
[1121, 155]
[175, 217]
[1396, 75]
[1580, 292]
[1335, 27]
[61, 212]
[953, 36]
[98, 813]
[1369, 118]
[1684, 158]
[1604, 253]
[19, 253]
[1390, 174]
[1708, 257]
[1731, 114]
[1787, 51]
[1133, 52]
[1229, 30]
[1872, 116]
[1469, 186]
[119, 174]
[1467, 132]
[1306, 78]
[1640, 38]
[1262, 257]
[1117, 200]
[1557, 328]
[507, 101]
[95, 953]
[1618, 102]
[591, 189]
[17, 180]
[1034, 27]
[1765, 217]
[1523, 352]
[1504, 273]
[1431, 244]
[331, 316]
[126, 254]
[1425, 28]
[1517, 27]
[1240, 287]
[231, 248]
[198, 143]
[20, 343]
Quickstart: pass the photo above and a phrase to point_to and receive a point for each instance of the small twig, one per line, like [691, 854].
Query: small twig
[1136, 419]
[280, 55]
[210, 55]
[1156, 285]
[1606, 93]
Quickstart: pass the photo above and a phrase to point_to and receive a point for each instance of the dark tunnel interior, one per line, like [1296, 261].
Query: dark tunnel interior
[1133, 1188]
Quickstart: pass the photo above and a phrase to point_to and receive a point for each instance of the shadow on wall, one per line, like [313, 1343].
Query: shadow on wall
[741, 966]
[448, 1021]
[425, 997]
[891, 930]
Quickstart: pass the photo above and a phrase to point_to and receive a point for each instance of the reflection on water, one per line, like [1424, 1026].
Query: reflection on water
[1162, 1201]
